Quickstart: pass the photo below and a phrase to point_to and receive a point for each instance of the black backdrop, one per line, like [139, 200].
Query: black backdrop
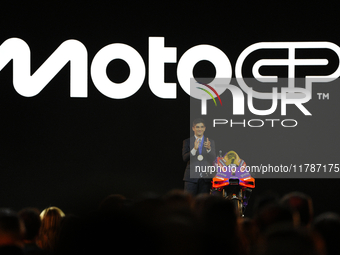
[72, 152]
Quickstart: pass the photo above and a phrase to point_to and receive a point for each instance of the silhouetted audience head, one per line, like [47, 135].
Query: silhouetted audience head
[179, 233]
[70, 238]
[275, 214]
[112, 203]
[219, 218]
[249, 234]
[267, 198]
[32, 222]
[12, 231]
[178, 195]
[328, 225]
[178, 201]
[52, 210]
[302, 204]
[50, 223]
[199, 203]
[175, 223]
[286, 239]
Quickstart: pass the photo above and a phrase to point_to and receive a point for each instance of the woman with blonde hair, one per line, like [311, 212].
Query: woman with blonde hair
[50, 223]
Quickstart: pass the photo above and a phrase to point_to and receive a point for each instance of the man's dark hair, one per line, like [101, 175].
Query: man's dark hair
[31, 218]
[302, 203]
[196, 121]
[10, 224]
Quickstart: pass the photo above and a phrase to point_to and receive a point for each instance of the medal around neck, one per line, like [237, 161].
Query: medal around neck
[200, 157]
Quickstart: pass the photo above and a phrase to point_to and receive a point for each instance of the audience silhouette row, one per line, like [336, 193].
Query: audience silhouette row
[176, 223]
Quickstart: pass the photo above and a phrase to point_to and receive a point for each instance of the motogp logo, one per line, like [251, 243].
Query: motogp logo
[74, 52]
[288, 95]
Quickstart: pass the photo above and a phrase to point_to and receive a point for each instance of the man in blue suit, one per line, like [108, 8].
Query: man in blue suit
[199, 153]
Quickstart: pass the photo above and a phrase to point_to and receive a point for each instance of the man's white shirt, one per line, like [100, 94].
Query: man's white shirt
[193, 151]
